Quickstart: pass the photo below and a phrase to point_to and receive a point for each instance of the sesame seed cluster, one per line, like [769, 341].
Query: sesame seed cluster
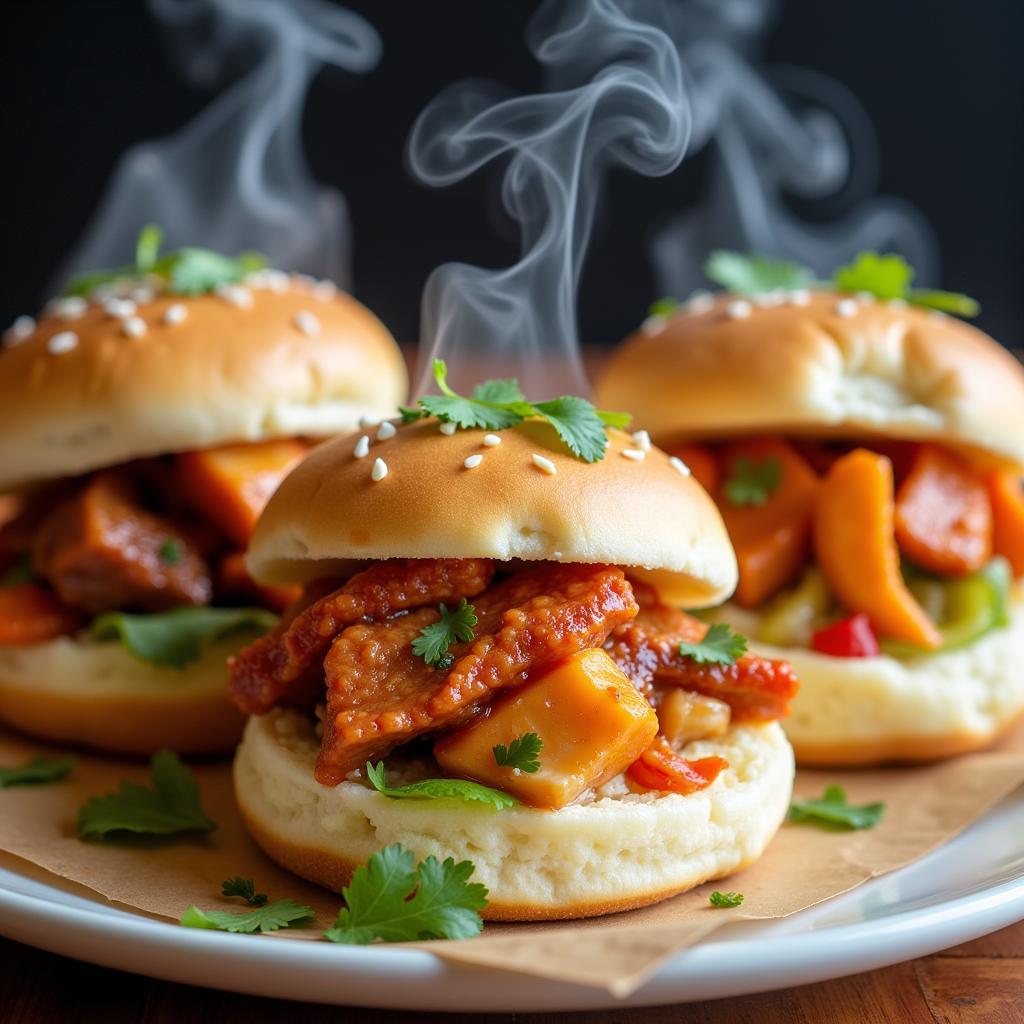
[124, 300]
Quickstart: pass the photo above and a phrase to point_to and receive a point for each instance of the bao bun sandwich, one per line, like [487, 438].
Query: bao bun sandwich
[866, 453]
[145, 418]
[488, 663]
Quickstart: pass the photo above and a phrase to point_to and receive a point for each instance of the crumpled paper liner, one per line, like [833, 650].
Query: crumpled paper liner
[925, 807]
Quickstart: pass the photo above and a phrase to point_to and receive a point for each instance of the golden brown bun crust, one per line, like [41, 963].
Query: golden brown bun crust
[884, 371]
[329, 512]
[222, 374]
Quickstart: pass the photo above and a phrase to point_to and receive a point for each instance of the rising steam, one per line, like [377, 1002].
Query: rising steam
[629, 109]
[793, 134]
[235, 178]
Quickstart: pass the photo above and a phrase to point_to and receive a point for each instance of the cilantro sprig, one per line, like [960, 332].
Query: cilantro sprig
[439, 789]
[172, 805]
[394, 899]
[266, 918]
[720, 646]
[754, 274]
[37, 771]
[523, 753]
[186, 271]
[752, 483]
[454, 626]
[245, 888]
[500, 404]
[831, 811]
[725, 899]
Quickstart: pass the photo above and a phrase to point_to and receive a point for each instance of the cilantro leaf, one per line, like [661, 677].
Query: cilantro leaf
[390, 899]
[621, 420]
[433, 641]
[269, 918]
[831, 811]
[663, 307]
[410, 415]
[38, 770]
[720, 646]
[194, 271]
[439, 789]
[948, 302]
[244, 887]
[725, 899]
[752, 483]
[505, 391]
[578, 425]
[468, 413]
[147, 247]
[884, 276]
[170, 551]
[175, 638]
[751, 275]
[171, 806]
[522, 753]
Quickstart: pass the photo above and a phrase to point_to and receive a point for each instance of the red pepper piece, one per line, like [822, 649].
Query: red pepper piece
[851, 638]
[660, 767]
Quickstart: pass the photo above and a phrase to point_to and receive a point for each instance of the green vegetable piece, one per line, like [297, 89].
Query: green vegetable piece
[269, 918]
[147, 247]
[36, 772]
[790, 619]
[171, 806]
[946, 302]
[456, 625]
[522, 753]
[752, 483]
[885, 277]
[439, 789]
[395, 900]
[720, 646]
[725, 899]
[663, 307]
[245, 888]
[175, 638]
[753, 275]
[831, 811]
[170, 551]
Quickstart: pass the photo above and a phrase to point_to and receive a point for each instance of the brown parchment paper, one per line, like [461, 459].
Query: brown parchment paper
[925, 806]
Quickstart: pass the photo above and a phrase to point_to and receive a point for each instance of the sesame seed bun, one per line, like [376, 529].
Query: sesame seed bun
[886, 370]
[331, 513]
[617, 852]
[77, 691]
[91, 386]
[865, 711]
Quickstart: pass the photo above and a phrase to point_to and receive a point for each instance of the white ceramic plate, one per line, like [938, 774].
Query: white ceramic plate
[970, 886]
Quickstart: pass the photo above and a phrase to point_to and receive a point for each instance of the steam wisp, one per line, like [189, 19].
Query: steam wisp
[235, 178]
[628, 108]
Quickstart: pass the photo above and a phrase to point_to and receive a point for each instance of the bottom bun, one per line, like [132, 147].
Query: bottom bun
[98, 695]
[617, 851]
[864, 711]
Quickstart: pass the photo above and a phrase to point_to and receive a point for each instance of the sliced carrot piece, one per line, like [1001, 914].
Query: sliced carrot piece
[29, 614]
[230, 485]
[234, 582]
[701, 461]
[943, 514]
[854, 540]
[1006, 493]
[772, 540]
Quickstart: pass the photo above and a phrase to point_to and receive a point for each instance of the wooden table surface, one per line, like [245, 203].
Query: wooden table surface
[981, 982]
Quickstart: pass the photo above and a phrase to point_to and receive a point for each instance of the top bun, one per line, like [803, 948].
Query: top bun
[329, 513]
[97, 383]
[882, 369]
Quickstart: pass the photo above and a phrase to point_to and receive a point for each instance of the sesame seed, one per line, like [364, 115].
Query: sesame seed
[143, 295]
[448, 429]
[492, 440]
[846, 308]
[387, 431]
[362, 448]
[543, 464]
[307, 323]
[738, 310]
[472, 461]
[325, 290]
[635, 454]
[700, 302]
[119, 307]
[134, 326]
[175, 314]
[22, 327]
[653, 324]
[897, 303]
[642, 440]
[800, 297]
[236, 295]
[676, 463]
[379, 471]
[63, 342]
[556, 554]
[70, 308]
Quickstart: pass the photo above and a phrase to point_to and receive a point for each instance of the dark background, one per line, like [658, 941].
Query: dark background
[942, 81]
